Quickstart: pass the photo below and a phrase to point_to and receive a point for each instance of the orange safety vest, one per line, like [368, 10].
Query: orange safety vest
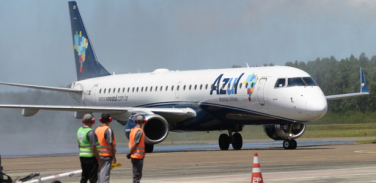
[139, 153]
[105, 150]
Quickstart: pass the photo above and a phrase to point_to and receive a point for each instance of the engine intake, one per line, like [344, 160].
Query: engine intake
[280, 132]
[156, 128]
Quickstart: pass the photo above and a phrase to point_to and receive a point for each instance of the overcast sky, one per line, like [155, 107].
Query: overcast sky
[36, 44]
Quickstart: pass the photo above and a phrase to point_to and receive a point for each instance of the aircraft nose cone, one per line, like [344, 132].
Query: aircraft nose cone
[316, 107]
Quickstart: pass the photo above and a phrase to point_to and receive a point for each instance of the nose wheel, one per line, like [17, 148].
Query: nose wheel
[235, 139]
[290, 144]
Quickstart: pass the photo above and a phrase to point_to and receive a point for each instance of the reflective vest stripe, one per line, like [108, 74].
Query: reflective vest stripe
[85, 146]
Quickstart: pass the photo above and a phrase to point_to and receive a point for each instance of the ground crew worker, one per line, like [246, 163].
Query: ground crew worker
[137, 148]
[107, 144]
[89, 156]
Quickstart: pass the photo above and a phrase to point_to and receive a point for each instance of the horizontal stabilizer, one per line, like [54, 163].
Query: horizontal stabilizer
[69, 90]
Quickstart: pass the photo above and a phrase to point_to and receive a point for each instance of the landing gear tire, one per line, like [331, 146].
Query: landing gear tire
[237, 141]
[290, 144]
[224, 141]
[294, 144]
[149, 148]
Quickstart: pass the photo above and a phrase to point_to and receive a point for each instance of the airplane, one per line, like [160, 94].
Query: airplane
[282, 99]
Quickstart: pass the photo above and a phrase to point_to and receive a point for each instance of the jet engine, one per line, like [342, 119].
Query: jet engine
[156, 128]
[281, 131]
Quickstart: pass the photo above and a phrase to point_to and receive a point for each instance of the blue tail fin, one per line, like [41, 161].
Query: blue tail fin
[363, 86]
[87, 65]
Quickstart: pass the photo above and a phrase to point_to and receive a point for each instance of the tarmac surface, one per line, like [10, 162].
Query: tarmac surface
[311, 163]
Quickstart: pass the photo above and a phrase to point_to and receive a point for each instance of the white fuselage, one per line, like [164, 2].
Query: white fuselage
[249, 89]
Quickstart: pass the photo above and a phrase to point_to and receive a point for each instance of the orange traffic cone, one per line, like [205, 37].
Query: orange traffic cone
[256, 171]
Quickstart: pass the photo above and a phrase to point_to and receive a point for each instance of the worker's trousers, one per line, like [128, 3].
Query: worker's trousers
[89, 169]
[137, 169]
[104, 172]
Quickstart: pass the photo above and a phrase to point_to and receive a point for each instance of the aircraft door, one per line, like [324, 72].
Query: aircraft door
[260, 91]
[178, 88]
[94, 94]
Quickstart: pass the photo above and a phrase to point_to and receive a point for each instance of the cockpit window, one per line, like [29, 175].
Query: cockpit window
[280, 83]
[295, 82]
[309, 81]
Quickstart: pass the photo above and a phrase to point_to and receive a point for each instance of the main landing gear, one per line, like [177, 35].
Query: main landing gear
[290, 144]
[235, 139]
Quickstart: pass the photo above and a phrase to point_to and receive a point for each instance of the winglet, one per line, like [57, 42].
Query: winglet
[363, 86]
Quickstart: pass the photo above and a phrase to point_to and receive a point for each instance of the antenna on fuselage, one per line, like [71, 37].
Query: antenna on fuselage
[247, 65]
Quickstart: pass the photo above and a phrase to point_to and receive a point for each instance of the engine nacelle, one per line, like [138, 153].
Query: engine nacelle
[156, 128]
[279, 132]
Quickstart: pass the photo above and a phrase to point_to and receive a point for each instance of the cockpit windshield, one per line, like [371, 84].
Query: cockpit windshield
[295, 82]
[298, 81]
[309, 81]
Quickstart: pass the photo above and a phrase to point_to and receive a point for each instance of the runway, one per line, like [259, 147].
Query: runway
[311, 163]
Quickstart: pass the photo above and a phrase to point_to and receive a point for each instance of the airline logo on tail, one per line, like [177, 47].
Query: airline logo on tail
[80, 45]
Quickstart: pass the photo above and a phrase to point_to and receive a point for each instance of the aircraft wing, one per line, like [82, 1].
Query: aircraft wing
[176, 113]
[60, 89]
[363, 90]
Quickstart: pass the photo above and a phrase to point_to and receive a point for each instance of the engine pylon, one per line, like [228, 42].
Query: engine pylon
[256, 171]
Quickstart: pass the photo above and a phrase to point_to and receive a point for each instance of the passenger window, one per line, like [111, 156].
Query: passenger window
[172, 88]
[161, 88]
[133, 89]
[177, 88]
[280, 83]
[195, 87]
[113, 91]
[128, 89]
[166, 88]
[104, 91]
[100, 91]
[200, 87]
[137, 89]
[240, 86]
[206, 87]
[109, 90]
[151, 88]
[123, 89]
[295, 82]
[184, 87]
[142, 89]
[246, 85]
[119, 90]
[190, 86]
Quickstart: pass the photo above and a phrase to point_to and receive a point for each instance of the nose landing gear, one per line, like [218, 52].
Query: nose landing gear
[235, 139]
